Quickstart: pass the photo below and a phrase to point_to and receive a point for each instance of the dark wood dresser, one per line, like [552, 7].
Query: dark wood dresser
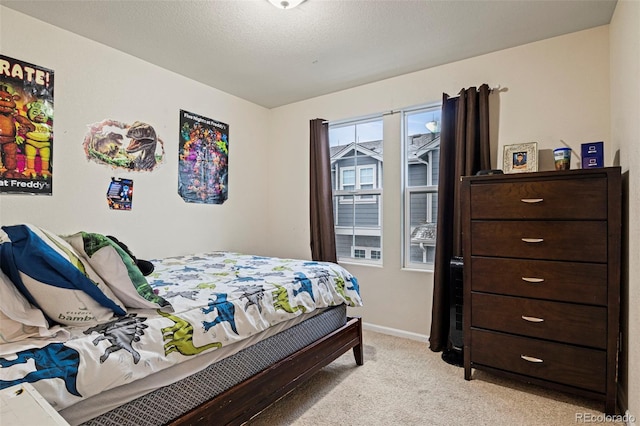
[542, 278]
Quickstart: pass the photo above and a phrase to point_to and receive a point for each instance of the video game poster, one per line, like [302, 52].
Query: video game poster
[26, 127]
[203, 159]
[120, 194]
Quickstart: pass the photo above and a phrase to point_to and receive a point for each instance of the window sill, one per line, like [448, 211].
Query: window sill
[354, 263]
[416, 269]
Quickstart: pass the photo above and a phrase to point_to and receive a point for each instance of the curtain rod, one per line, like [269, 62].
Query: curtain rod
[497, 88]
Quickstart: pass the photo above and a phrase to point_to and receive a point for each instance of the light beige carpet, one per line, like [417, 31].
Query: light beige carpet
[403, 383]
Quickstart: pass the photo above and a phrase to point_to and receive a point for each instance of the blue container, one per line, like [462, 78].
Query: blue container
[592, 155]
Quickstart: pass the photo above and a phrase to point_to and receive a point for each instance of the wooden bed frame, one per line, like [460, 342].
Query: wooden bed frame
[248, 398]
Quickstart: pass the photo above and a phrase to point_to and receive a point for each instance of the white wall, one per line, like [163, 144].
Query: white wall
[625, 136]
[94, 82]
[553, 90]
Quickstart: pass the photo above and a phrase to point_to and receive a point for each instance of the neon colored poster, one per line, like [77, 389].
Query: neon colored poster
[26, 127]
[203, 159]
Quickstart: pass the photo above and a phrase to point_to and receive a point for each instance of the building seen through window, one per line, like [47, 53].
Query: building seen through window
[356, 173]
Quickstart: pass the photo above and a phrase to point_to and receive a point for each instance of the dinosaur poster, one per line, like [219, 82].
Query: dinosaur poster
[203, 159]
[26, 127]
[134, 147]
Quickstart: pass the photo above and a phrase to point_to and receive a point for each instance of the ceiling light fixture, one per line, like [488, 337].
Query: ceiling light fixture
[285, 4]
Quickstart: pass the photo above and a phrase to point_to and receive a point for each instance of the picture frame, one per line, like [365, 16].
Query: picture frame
[520, 158]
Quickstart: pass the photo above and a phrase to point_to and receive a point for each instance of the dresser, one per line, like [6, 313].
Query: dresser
[542, 278]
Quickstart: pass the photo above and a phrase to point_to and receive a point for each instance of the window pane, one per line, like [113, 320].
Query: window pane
[357, 145]
[358, 226]
[423, 216]
[356, 162]
[349, 177]
[366, 176]
[367, 131]
[421, 169]
[422, 147]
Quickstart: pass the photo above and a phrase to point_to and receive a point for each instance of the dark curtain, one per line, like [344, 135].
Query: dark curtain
[323, 238]
[464, 150]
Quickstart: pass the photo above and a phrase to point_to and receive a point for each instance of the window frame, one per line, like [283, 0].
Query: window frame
[355, 196]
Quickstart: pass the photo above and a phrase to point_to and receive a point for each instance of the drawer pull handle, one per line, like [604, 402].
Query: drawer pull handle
[531, 359]
[532, 319]
[532, 240]
[532, 280]
[532, 200]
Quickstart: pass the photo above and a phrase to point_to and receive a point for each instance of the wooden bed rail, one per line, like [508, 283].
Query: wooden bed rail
[248, 398]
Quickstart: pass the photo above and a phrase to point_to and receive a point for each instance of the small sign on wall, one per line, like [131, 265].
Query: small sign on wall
[120, 194]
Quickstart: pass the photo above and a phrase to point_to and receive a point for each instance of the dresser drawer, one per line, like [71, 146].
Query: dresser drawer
[559, 240]
[547, 199]
[563, 322]
[557, 362]
[541, 279]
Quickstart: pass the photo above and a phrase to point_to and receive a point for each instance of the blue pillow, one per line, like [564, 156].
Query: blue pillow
[49, 273]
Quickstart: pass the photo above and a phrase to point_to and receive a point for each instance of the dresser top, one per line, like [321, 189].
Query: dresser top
[553, 174]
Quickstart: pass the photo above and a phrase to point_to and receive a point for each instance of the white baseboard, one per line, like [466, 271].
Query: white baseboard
[398, 333]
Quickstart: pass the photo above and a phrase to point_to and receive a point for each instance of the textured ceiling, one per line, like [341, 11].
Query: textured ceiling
[274, 57]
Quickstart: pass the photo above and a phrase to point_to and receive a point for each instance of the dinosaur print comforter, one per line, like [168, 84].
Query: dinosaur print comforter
[218, 299]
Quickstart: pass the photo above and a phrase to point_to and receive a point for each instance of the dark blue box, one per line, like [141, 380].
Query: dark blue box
[592, 155]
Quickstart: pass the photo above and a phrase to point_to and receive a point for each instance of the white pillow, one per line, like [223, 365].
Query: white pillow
[16, 312]
[51, 275]
[18, 318]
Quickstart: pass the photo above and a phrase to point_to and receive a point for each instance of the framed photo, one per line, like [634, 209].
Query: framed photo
[521, 158]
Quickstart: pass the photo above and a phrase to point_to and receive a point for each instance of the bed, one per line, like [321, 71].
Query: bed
[212, 338]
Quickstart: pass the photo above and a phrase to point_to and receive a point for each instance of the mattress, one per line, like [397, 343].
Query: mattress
[175, 396]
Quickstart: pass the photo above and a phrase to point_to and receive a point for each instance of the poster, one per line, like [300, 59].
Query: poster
[120, 194]
[133, 147]
[26, 127]
[203, 159]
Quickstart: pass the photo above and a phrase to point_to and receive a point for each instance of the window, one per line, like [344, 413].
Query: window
[348, 179]
[366, 253]
[421, 140]
[356, 172]
[365, 178]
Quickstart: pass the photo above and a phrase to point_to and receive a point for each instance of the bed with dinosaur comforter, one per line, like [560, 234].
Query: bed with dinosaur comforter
[80, 320]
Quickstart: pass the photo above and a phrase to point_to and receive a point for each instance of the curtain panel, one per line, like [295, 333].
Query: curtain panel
[323, 238]
[464, 150]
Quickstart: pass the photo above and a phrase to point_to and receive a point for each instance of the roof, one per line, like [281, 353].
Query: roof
[419, 146]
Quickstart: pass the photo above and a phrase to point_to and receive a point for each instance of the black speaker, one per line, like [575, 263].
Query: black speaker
[453, 354]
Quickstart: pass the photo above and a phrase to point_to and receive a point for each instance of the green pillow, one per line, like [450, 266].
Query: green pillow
[118, 270]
